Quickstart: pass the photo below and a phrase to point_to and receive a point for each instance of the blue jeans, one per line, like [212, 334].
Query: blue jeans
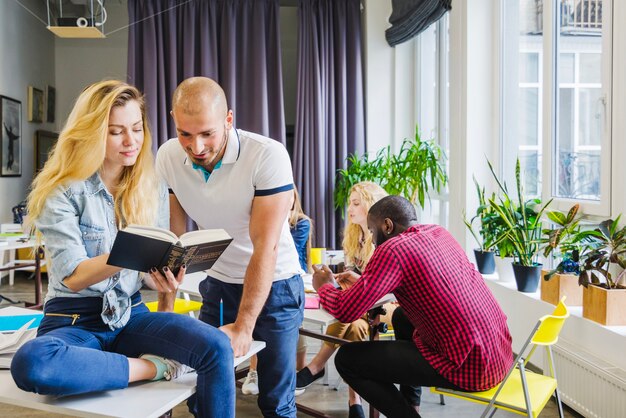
[87, 356]
[277, 325]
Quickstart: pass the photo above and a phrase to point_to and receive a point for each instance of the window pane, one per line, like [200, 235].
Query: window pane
[566, 68]
[522, 52]
[590, 68]
[590, 119]
[529, 116]
[529, 67]
[579, 107]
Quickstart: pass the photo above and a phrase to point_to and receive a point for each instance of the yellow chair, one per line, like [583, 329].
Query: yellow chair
[522, 391]
[181, 306]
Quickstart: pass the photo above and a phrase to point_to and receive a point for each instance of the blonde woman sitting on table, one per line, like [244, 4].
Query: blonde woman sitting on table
[358, 248]
[96, 333]
[300, 228]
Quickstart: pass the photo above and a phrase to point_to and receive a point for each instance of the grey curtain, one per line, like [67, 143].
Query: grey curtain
[330, 112]
[235, 42]
[409, 18]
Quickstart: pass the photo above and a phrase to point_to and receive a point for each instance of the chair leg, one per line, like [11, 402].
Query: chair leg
[493, 412]
[558, 402]
[529, 410]
[442, 401]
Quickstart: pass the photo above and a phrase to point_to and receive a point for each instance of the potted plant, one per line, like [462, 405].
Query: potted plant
[487, 235]
[565, 241]
[602, 273]
[522, 228]
[413, 172]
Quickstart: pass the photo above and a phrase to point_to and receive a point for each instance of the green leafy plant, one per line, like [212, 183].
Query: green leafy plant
[565, 241]
[608, 246]
[487, 235]
[413, 172]
[521, 219]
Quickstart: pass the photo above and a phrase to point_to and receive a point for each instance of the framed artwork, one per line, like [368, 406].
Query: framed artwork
[11, 143]
[35, 104]
[51, 95]
[43, 146]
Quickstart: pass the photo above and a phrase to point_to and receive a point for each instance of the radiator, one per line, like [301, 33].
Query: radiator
[588, 384]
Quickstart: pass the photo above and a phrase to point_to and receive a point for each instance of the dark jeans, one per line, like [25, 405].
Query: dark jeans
[87, 356]
[373, 368]
[277, 325]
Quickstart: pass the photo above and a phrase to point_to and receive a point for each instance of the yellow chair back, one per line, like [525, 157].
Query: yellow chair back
[551, 325]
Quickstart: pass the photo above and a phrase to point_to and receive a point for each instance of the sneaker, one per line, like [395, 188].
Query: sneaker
[173, 369]
[251, 384]
[304, 378]
[299, 392]
[356, 411]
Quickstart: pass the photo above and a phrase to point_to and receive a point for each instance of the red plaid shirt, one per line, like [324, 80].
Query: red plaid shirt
[459, 327]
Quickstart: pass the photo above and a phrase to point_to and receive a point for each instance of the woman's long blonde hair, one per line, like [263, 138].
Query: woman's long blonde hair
[357, 244]
[81, 149]
[297, 214]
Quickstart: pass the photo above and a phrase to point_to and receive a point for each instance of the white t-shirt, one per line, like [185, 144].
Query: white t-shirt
[252, 165]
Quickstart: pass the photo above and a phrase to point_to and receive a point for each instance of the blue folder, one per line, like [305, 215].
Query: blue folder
[13, 323]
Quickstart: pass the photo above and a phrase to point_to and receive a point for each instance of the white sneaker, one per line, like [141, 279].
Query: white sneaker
[299, 392]
[251, 384]
[173, 370]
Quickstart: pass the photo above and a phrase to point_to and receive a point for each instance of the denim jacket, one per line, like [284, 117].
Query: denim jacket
[78, 223]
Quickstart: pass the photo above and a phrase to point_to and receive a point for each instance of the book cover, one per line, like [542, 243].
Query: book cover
[15, 322]
[141, 253]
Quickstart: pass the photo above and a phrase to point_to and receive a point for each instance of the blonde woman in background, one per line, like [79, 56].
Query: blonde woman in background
[300, 227]
[96, 333]
[358, 248]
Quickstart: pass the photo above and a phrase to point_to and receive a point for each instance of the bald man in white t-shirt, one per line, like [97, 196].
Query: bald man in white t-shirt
[242, 182]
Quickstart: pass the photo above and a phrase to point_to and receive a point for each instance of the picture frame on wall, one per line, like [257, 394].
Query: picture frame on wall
[35, 104]
[45, 141]
[51, 94]
[11, 139]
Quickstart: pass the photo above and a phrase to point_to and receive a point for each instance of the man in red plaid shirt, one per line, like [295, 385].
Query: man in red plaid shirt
[460, 339]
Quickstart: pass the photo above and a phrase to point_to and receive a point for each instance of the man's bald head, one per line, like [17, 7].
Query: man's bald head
[199, 94]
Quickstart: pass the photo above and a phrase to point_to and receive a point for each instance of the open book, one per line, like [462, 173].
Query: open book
[140, 248]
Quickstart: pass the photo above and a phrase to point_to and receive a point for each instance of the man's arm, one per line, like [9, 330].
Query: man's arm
[381, 276]
[167, 284]
[267, 219]
[178, 217]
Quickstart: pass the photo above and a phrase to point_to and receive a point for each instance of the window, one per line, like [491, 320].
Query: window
[432, 97]
[563, 117]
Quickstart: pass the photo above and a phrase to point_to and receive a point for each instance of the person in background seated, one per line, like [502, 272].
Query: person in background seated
[96, 333]
[300, 228]
[358, 248]
[460, 337]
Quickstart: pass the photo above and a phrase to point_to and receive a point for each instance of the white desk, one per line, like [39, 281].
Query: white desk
[145, 399]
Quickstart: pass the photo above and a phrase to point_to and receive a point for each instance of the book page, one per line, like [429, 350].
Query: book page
[152, 232]
[202, 236]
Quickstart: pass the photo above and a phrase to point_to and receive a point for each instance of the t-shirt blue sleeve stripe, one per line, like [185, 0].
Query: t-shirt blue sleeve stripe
[270, 192]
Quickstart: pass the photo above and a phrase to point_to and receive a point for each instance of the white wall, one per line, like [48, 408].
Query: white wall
[27, 51]
[390, 110]
[80, 62]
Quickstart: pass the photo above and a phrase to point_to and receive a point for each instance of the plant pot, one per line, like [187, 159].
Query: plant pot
[605, 306]
[503, 267]
[527, 277]
[561, 284]
[485, 261]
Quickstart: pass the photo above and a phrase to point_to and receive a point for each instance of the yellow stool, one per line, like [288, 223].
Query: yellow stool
[181, 306]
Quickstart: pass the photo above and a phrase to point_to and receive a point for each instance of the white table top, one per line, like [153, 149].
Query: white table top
[144, 399]
[16, 245]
